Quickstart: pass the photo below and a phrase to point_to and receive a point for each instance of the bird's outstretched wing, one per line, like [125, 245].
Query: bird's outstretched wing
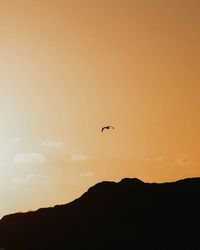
[111, 127]
[102, 129]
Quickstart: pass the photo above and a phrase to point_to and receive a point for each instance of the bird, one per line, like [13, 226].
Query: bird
[107, 127]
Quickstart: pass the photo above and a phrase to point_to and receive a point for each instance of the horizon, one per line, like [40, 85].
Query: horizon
[68, 69]
[101, 182]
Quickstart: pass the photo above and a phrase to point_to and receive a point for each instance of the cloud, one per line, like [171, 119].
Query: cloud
[51, 143]
[158, 158]
[147, 159]
[87, 174]
[183, 160]
[79, 157]
[154, 159]
[36, 178]
[9, 142]
[16, 140]
[32, 179]
[18, 180]
[29, 158]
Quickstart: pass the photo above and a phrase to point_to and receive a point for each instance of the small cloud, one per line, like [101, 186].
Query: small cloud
[36, 178]
[29, 158]
[153, 159]
[51, 143]
[79, 157]
[16, 140]
[31, 179]
[158, 158]
[183, 160]
[18, 180]
[9, 142]
[147, 159]
[87, 174]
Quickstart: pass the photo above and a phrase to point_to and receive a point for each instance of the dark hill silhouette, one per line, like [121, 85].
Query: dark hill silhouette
[129, 214]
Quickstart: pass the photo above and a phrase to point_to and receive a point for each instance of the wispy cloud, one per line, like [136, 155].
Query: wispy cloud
[31, 179]
[147, 159]
[183, 160]
[87, 174]
[159, 158]
[154, 159]
[7, 143]
[51, 143]
[29, 158]
[79, 157]
[16, 140]
[36, 178]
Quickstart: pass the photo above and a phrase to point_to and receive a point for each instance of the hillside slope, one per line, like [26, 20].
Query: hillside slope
[129, 214]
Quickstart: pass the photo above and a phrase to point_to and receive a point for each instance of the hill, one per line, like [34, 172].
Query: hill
[129, 214]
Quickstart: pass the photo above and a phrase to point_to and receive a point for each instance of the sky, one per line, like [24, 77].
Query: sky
[70, 67]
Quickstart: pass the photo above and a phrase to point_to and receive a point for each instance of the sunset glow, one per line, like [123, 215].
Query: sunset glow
[68, 68]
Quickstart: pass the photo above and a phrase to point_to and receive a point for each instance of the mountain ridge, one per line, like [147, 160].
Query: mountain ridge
[111, 215]
[127, 180]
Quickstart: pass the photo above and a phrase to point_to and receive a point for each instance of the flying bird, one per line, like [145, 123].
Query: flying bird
[107, 127]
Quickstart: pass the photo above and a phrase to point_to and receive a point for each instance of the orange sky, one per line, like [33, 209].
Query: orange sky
[70, 67]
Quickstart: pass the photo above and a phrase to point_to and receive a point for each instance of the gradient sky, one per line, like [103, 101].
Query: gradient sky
[69, 67]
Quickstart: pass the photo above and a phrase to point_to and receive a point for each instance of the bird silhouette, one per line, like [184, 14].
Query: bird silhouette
[107, 127]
